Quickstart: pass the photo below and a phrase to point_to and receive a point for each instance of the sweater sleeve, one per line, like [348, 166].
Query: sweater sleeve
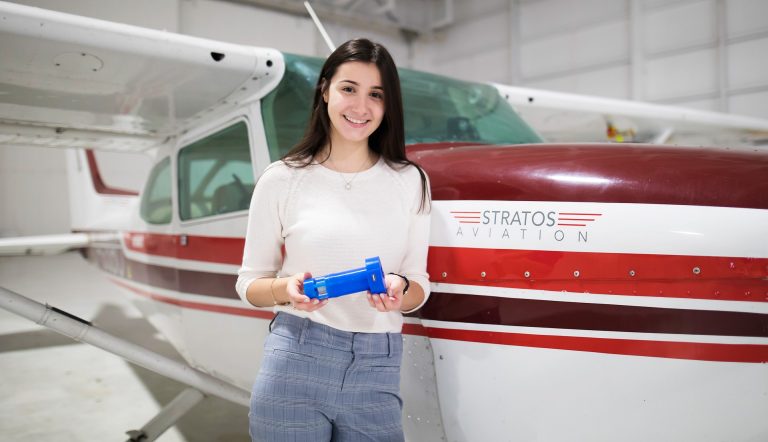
[414, 265]
[262, 253]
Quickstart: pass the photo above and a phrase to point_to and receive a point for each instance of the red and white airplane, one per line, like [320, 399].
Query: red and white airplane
[591, 292]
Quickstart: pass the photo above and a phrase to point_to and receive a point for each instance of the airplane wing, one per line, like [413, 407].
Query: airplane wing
[52, 244]
[563, 117]
[71, 81]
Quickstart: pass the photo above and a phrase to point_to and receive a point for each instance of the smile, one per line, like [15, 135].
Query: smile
[354, 121]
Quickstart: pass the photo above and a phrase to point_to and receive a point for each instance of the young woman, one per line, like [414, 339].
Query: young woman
[346, 192]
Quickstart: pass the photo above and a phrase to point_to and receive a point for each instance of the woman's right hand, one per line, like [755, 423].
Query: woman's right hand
[295, 289]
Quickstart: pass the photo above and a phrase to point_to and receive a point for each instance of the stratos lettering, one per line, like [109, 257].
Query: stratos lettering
[519, 217]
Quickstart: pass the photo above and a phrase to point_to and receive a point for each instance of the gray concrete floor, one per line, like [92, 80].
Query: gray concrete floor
[55, 389]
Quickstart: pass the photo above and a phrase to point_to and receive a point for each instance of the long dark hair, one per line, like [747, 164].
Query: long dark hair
[388, 140]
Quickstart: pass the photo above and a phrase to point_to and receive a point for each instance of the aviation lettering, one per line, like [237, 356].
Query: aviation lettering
[525, 218]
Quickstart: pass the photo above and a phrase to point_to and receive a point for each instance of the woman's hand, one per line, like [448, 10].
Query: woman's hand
[299, 300]
[393, 299]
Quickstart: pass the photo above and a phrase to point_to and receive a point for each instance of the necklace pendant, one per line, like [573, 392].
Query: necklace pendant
[348, 186]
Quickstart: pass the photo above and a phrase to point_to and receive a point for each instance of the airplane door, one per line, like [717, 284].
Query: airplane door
[215, 182]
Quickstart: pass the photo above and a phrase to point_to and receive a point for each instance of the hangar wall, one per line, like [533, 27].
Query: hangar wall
[705, 54]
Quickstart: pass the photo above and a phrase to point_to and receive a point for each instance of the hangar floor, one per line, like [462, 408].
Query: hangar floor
[55, 389]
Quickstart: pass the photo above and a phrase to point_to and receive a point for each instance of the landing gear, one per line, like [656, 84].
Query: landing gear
[167, 417]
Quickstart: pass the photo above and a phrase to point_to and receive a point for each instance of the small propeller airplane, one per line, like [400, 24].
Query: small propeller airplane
[580, 291]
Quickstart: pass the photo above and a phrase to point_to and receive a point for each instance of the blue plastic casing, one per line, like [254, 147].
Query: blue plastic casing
[368, 278]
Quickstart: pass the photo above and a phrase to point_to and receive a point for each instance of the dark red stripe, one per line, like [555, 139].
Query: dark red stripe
[98, 182]
[479, 309]
[493, 310]
[725, 278]
[240, 311]
[678, 350]
[719, 278]
[728, 278]
[224, 250]
[414, 329]
[673, 276]
[186, 281]
[749, 353]
[509, 311]
[624, 174]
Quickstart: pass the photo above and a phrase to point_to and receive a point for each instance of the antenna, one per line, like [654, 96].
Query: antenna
[320, 27]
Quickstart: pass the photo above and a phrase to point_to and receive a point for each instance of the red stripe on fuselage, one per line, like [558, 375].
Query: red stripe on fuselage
[629, 274]
[751, 353]
[747, 353]
[239, 311]
[216, 249]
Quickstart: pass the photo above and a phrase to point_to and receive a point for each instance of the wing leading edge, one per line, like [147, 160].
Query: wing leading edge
[71, 81]
[564, 117]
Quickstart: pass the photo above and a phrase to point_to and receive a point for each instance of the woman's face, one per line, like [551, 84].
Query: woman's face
[355, 99]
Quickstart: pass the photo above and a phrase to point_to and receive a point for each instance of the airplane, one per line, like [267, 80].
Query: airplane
[580, 291]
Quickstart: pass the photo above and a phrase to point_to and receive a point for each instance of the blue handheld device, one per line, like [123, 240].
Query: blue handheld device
[370, 277]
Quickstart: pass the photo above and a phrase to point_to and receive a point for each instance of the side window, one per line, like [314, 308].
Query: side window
[286, 109]
[215, 174]
[156, 205]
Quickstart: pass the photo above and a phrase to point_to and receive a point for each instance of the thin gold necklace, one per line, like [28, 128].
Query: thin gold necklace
[348, 184]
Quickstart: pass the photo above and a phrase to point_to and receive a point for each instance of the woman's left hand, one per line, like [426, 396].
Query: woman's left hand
[392, 300]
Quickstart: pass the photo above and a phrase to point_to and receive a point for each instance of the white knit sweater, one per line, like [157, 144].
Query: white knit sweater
[326, 228]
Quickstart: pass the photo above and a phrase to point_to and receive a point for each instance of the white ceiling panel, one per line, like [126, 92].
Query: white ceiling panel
[753, 104]
[746, 17]
[687, 74]
[747, 64]
[587, 47]
[544, 17]
[679, 26]
[611, 82]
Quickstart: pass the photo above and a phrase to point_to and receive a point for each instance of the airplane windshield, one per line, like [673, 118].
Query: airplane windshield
[437, 109]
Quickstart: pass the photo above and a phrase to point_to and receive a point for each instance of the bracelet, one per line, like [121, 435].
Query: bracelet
[272, 290]
[407, 283]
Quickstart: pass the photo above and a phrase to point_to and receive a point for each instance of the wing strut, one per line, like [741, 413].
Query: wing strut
[200, 383]
[320, 26]
[663, 136]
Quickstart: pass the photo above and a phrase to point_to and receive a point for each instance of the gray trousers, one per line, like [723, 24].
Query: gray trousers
[318, 384]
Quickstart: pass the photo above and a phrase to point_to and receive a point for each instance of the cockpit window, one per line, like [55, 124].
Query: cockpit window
[156, 204]
[440, 109]
[215, 174]
[437, 109]
[285, 110]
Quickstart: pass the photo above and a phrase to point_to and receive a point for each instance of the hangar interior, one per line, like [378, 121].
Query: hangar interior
[698, 54]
